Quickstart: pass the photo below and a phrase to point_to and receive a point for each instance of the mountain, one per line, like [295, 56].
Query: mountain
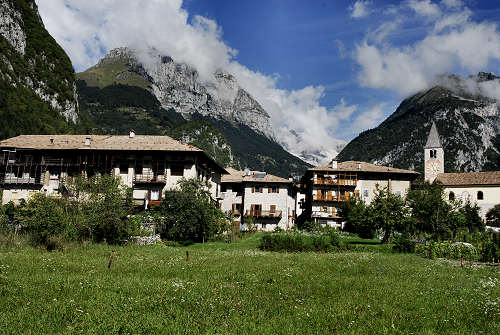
[467, 120]
[160, 96]
[37, 83]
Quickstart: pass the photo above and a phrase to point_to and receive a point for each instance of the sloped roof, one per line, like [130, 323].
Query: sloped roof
[433, 140]
[97, 142]
[236, 176]
[469, 178]
[358, 166]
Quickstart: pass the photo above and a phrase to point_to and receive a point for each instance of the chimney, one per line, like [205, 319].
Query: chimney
[51, 141]
[334, 163]
[87, 141]
[247, 171]
[359, 166]
[132, 133]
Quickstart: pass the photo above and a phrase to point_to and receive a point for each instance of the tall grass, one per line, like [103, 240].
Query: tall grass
[235, 288]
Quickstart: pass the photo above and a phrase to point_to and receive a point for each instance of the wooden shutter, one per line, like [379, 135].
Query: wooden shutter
[273, 209]
[253, 189]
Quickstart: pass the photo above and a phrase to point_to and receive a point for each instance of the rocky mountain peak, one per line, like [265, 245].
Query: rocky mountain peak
[177, 86]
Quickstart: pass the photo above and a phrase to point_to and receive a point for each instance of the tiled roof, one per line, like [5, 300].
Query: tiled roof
[357, 166]
[236, 176]
[97, 142]
[469, 178]
[433, 140]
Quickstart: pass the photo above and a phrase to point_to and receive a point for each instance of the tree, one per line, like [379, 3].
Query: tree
[432, 213]
[189, 214]
[472, 219]
[493, 216]
[389, 213]
[358, 219]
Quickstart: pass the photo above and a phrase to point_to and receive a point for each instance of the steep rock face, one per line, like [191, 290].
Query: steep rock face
[177, 86]
[469, 127]
[30, 58]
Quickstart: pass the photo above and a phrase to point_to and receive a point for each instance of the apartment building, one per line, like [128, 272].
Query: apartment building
[267, 200]
[327, 187]
[148, 164]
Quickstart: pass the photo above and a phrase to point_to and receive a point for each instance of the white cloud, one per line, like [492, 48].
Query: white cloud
[360, 9]
[424, 7]
[452, 43]
[87, 29]
[453, 3]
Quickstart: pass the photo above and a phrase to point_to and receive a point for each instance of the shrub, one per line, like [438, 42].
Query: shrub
[403, 244]
[189, 214]
[43, 217]
[295, 242]
[488, 252]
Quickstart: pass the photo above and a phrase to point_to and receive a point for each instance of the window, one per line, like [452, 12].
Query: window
[480, 195]
[365, 193]
[257, 189]
[398, 193]
[433, 153]
[123, 168]
[451, 196]
[177, 170]
[155, 195]
[273, 189]
[138, 168]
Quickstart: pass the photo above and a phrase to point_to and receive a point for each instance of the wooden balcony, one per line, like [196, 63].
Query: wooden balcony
[336, 182]
[338, 198]
[149, 178]
[325, 215]
[12, 180]
[263, 214]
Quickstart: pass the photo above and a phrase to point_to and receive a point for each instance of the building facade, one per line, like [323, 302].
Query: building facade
[148, 164]
[265, 200]
[327, 187]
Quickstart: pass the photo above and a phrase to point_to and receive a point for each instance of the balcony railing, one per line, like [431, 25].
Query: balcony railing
[150, 178]
[338, 198]
[335, 182]
[263, 214]
[12, 180]
[325, 215]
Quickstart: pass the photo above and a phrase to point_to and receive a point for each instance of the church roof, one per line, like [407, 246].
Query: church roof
[433, 138]
[469, 178]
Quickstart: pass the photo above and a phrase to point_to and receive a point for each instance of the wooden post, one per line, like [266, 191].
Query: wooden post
[111, 259]
[187, 256]
[461, 261]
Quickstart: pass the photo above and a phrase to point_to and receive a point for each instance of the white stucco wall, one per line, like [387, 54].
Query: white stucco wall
[491, 196]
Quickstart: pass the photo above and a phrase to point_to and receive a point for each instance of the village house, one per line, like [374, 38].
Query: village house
[327, 187]
[148, 164]
[267, 200]
[481, 188]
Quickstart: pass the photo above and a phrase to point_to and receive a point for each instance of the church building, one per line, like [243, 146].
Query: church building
[481, 188]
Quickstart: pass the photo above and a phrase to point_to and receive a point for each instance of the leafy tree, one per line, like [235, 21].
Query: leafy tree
[43, 217]
[471, 217]
[493, 216]
[389, 213]
[358, 218]
[189, 213]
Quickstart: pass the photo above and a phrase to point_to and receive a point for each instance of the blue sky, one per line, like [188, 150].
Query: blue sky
[325, 70]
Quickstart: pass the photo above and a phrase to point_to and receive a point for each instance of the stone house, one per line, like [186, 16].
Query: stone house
[267, 199]
[148, 164]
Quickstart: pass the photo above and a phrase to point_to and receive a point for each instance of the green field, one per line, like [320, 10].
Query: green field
[235, 288]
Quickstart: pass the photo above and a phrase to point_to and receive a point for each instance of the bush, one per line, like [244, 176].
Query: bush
[488, 252]
[189, 214]
[43, 217]
[296, 242]
[403, 244]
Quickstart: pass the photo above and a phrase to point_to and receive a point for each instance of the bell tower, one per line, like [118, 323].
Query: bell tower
[433, 155]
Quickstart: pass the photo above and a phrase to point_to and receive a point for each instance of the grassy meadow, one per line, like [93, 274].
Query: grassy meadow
[236, 288]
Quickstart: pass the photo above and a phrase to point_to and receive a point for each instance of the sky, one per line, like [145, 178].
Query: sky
[325, 70]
